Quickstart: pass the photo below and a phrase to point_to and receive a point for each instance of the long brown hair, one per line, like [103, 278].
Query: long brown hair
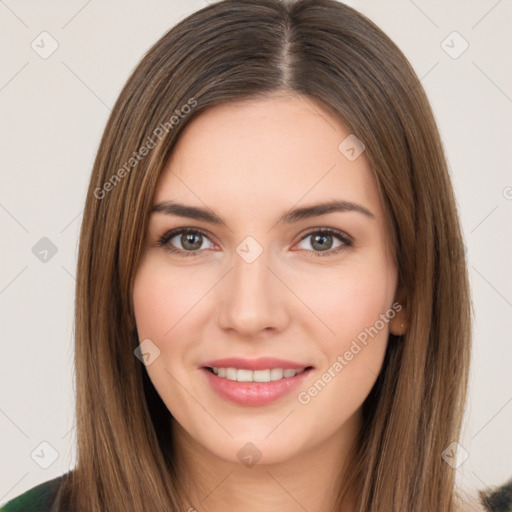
[234, 50]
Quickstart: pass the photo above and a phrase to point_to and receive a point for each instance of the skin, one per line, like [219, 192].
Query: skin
[250, 162]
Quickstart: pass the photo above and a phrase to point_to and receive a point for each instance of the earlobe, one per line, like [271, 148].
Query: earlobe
[398, 325]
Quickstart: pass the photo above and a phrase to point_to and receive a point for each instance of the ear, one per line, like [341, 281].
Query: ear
[399, 323]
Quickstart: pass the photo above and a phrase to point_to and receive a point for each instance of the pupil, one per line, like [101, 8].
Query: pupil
[322, 246]
[189, 238]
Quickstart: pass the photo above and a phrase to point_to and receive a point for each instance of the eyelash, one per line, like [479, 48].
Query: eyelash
[164, 240]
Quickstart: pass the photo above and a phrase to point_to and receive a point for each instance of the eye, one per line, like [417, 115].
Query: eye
[190, 240]
[321, 239]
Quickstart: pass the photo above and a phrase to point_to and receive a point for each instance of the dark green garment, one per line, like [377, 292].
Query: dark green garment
[38, 499]
[498, 500]
[41, 498]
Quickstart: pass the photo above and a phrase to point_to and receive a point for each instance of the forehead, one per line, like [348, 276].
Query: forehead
[264, 155]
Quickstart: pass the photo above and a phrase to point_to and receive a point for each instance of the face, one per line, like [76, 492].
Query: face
[264, 326]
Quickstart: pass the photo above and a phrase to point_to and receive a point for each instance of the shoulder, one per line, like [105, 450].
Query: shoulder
[37, 499]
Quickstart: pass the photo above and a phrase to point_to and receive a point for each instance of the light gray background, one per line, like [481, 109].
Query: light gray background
[53, 112]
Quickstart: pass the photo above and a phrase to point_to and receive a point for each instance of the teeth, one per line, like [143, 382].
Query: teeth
[276, 374]
[244, 375]
[256, 375]
[231, 373]
[261, 375]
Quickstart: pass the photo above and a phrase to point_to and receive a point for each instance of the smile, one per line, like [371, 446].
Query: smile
[254, 382]
[265, 375]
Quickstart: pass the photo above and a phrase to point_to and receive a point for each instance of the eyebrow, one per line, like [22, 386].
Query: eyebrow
[292, 216]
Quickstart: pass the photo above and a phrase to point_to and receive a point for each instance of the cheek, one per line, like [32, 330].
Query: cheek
[357, 308]
[161, 299]
[350, 299]
[166, 304]
[356, 305]
[160, 313]
[151, 304]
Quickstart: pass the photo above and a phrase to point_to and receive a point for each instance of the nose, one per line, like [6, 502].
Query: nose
[252, 300]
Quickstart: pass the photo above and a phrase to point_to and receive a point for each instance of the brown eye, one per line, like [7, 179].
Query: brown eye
[184, 242]
[322, 241]
[191, 241]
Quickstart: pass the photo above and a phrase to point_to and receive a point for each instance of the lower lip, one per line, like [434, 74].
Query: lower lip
[254, 393]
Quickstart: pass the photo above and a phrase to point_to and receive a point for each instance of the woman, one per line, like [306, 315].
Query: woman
[272, 306]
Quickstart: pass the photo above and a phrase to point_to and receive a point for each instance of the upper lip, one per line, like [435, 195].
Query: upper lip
[262, 363]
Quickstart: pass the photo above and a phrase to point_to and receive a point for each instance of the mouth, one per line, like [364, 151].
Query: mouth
[254, 382]
[265, 375]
